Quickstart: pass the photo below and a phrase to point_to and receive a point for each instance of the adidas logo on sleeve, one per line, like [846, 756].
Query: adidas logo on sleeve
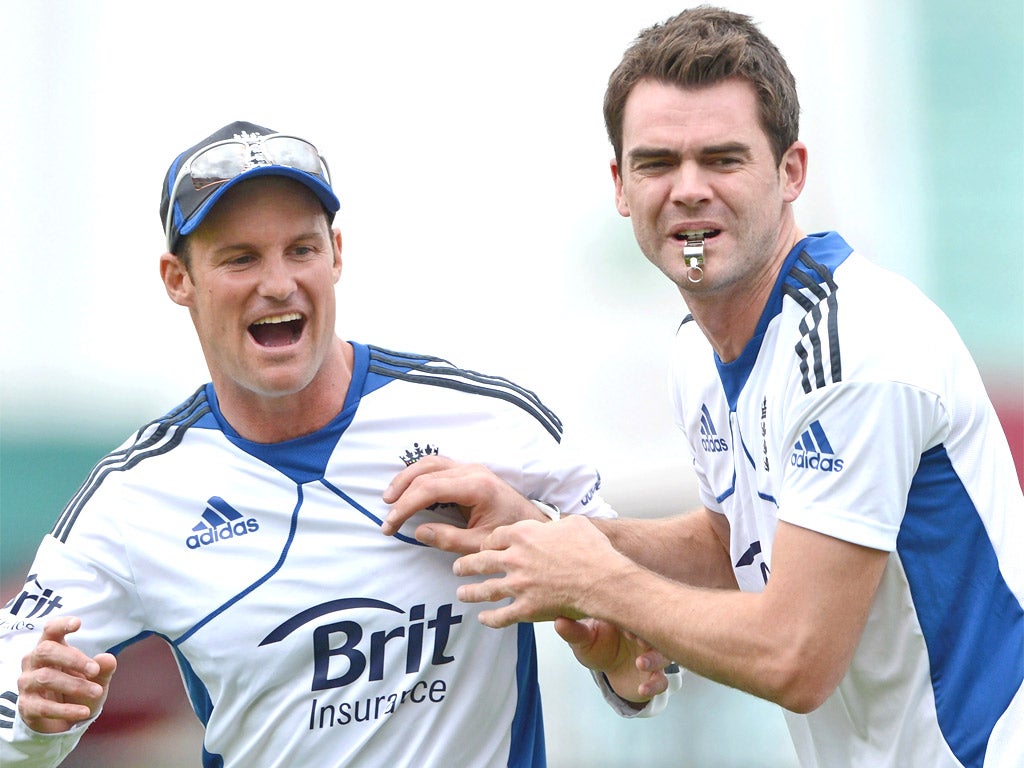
[710, 440]
[813, 451]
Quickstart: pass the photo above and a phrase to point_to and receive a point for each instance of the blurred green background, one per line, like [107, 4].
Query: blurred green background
[914, 113]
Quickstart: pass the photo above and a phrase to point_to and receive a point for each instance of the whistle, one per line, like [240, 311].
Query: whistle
[693, 253]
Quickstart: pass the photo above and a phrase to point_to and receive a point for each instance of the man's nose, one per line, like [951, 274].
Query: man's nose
[690, 185]
[276, 280]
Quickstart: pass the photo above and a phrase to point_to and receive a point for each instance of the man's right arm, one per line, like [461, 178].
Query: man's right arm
[693, 548]
[60, 686]
[59, 691]
[54, 670]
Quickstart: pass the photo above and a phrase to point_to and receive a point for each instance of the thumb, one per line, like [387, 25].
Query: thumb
[108, 665]
[451, 538]
[575, 633]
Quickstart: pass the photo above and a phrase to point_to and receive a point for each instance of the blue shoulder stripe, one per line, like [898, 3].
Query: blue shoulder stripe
[437, 372]
[156, 438]
[806, 278]
[810, 283]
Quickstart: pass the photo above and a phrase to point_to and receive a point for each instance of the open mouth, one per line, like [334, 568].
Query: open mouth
[277, 330]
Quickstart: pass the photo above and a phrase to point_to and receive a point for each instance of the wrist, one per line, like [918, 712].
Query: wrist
[627, 701]
[550, 511]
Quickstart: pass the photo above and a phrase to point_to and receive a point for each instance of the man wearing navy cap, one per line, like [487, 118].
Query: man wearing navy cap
[258, 284]
[244, 526]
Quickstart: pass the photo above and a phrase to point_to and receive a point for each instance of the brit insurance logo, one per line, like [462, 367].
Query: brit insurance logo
[359, 640]
[220, 522]
[35, 602]
[814, 451]
[709, 439]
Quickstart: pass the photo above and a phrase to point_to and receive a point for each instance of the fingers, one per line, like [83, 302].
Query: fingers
[651, 660]
[656, 685]
[57, 629]
[406, 501]
[492, 590]
[499, 618]
[653, 663]
[487, 501]
[430, 481]
[488, 560]
[451, 538]
[108, 666]
[401, 482]
[59, 685]
[489, 591]
[52, 650]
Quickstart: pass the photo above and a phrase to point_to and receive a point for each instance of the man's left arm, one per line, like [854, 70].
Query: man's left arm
[790, 644]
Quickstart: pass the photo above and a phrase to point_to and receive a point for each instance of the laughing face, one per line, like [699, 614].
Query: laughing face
[696, 165]
[260, 289]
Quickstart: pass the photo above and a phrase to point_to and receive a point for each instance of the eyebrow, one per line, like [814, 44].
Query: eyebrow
[728, 148]
[246, 245]
[650, 153]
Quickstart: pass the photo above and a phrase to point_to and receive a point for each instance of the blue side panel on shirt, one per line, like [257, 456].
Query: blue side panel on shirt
[527, 750]
[201, 703]
[973, 625]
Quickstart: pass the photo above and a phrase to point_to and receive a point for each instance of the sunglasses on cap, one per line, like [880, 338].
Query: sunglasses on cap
[225, 160]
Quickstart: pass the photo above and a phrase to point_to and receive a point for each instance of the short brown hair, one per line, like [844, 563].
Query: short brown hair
[704, 46]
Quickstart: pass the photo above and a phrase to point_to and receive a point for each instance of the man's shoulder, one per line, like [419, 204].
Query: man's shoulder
[439, 379]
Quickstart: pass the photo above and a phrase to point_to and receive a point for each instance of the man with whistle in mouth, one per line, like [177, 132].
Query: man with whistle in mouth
[856, 555]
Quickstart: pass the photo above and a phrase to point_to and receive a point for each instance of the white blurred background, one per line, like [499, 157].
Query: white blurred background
[468, 149]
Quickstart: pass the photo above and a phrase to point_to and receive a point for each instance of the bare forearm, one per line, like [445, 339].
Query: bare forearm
[685, 548]
[723, 635]
[790, 643]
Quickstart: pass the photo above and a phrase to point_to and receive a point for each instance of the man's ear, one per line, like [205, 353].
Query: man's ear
[177, 281]
[336, 240]
[793, 171]
[621, 205]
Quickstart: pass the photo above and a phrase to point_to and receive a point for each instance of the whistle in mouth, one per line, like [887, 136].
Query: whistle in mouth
[693, 253]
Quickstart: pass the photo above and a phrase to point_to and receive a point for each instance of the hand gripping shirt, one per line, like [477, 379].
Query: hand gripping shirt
[856, 411]
[305, 637]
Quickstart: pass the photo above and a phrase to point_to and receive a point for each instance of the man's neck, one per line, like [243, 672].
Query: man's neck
[729, 318]
[263, 419]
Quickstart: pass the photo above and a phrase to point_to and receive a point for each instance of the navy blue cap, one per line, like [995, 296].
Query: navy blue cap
[191, 205]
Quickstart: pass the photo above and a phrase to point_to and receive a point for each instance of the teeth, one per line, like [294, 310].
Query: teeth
[279, 319]
[695, 234]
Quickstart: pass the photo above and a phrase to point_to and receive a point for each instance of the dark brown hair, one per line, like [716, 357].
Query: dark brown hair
[704, 46]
